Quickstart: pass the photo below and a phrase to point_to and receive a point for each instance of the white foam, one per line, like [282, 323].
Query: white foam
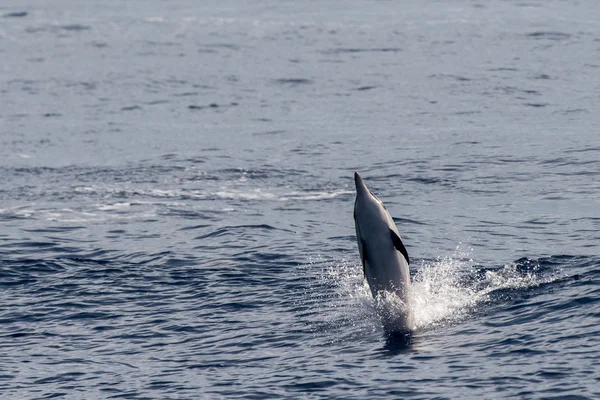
[114, 206]
[224, 193]
[439, 293]
[436, 294]
[314, 195]
[155, 19]
[255, 195]
[290, 196]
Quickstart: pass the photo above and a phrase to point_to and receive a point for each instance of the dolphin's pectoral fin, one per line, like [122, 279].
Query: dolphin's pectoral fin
[363, 256]
[399, 245]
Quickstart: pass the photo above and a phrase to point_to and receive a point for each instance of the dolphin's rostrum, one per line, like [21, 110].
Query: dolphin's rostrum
[384, 258]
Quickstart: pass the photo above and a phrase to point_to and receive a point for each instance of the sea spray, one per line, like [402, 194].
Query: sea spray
[446, 290]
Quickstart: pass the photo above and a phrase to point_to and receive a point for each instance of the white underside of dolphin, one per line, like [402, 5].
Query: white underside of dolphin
[384, 259]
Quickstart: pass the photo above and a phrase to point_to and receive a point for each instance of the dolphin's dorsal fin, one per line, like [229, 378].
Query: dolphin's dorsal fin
[399, 245]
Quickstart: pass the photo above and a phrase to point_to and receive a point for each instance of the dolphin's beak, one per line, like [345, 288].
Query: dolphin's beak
[360, 185]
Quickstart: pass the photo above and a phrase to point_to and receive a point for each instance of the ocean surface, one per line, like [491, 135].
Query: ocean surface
[176, 198]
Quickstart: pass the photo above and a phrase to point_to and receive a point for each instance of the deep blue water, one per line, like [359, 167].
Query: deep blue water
[176, 198]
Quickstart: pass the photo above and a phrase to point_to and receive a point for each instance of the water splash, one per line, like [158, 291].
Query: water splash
[337, 301]
[395, 314]
[437, 293]
[446, 290]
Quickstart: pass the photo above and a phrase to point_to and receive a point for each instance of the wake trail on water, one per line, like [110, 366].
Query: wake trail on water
[444, 291]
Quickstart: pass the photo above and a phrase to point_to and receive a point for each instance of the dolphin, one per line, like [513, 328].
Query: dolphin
[384, 258]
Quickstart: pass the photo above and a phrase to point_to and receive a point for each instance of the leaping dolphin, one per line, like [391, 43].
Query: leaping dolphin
[384, 258]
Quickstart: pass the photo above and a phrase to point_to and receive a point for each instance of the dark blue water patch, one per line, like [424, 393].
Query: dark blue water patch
[89, 315]
[213, 106]
[542, 77]
[584, 149]
[236, 306]
[525, 266]
[458, 78]
[131, 108]
[515, 90]
[240, 230]
[33, 267]
[224, 45]
[161, 43]
[62, 377]
[98, 44]
[207, 51]
[560, 161]
[157, 102]
[356, 50]
[194, 227]
[311, 386]
[186, 94]
[269, 133]
[365, 88]
[508, 69]
[193, 215]
[23, 171]
[55, 229]
[431, 181]
[345, 239]
[293, 82]
[537, 105]
[548, 35]
[570, 111]
[10, 215]
[75, 27]
[468, 112]
[16, 14]
[563, 397]
[58, 28]
[8, 281]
